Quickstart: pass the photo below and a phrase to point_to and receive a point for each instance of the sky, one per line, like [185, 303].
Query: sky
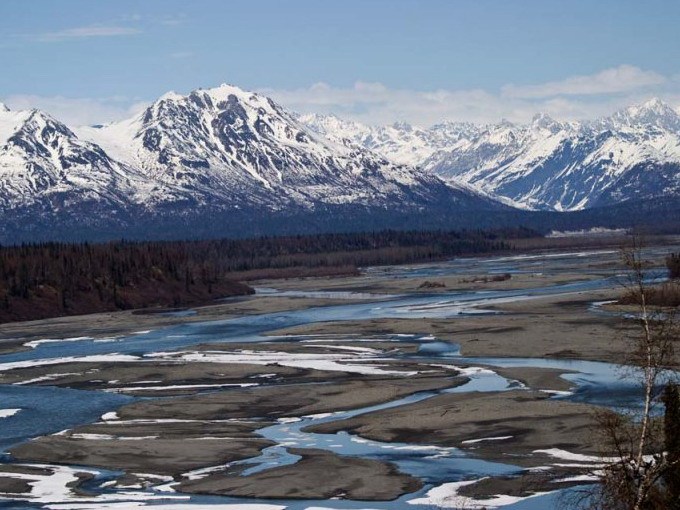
[375, 61]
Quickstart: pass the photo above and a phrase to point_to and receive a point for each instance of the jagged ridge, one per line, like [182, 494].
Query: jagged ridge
[547, 164]
[188, 160]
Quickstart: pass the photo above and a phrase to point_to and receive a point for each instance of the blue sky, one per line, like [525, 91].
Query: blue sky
[373, 60]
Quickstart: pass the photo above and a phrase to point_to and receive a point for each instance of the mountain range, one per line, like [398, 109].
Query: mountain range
[227, 162]
[222, 160]
[633, 154]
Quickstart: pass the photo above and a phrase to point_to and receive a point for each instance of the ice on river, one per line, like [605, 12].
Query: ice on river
[6, 413]
[140, 504]
[53, 488]
[329, 362]
[447, 496]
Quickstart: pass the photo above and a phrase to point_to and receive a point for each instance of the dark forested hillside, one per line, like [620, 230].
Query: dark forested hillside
[657, 216]
[44, 280]
[51, 279]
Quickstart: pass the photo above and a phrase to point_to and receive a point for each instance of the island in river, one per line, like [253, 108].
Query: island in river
[420, 386]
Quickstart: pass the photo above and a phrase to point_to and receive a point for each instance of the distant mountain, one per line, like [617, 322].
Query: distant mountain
[214, 162]
[227, 162]
[399, 142]
[545, 165]
[551, 165]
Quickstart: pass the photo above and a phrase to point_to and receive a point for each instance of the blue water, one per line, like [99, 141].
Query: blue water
[253, 328]
[46, 410]
[431, 464]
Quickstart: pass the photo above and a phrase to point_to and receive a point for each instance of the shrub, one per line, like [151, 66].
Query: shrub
[673, 265]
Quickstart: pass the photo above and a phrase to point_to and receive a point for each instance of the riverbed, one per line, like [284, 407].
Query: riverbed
[256, 403]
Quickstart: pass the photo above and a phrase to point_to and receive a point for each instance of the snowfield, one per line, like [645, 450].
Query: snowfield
[547, 164]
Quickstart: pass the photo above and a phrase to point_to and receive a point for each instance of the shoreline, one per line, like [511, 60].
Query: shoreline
[523, 246]
[126, 322]
[206, 404]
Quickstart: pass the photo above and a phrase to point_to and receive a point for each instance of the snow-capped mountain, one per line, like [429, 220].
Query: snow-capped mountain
[633, 154]
[44, 165]
[224, 160]
[546, 164]
[199, 155]
[399, 142]
[237, 148]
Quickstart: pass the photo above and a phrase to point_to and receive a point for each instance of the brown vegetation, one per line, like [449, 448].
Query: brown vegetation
[645, 471]
[431, 285]
[664, 295]
[673, 265]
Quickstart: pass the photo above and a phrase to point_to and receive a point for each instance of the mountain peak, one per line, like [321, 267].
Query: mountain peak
[652, 112]
[223, 91]
[170, 96]
[335, 128]
[451, 124]
[402, 126]
[545, 121]
[654, 104]
[320, 118]
[13, 120]
[237, 148]
[219, 93]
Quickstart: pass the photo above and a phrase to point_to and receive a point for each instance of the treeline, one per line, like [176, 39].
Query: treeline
[251, 258]
[52, 279]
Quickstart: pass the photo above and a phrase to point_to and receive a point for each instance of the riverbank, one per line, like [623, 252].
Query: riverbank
[125, 323]
[154, 439]
[408, 370]
[308, 292]
[562, 326]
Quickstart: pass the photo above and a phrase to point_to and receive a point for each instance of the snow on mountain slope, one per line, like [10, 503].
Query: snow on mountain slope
[215, 160]
[335, 128]
[399, 142]
[545, 164]
[241, 149]
[223, 155]
[226, 148]
[571, 166]
[10, 121]
[44, 164]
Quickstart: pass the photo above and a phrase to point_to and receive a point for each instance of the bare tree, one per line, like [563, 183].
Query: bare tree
[640, 473]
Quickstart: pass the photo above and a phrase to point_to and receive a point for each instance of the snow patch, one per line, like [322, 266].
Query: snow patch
[483, 439]
[447, 496]
[6, 413]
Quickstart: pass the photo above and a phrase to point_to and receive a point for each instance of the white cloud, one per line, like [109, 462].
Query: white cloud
[615, 80]
[375, 103]
[182, 54]
[86, 32]
[578, 97]
[173, 20]
[78, 111]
